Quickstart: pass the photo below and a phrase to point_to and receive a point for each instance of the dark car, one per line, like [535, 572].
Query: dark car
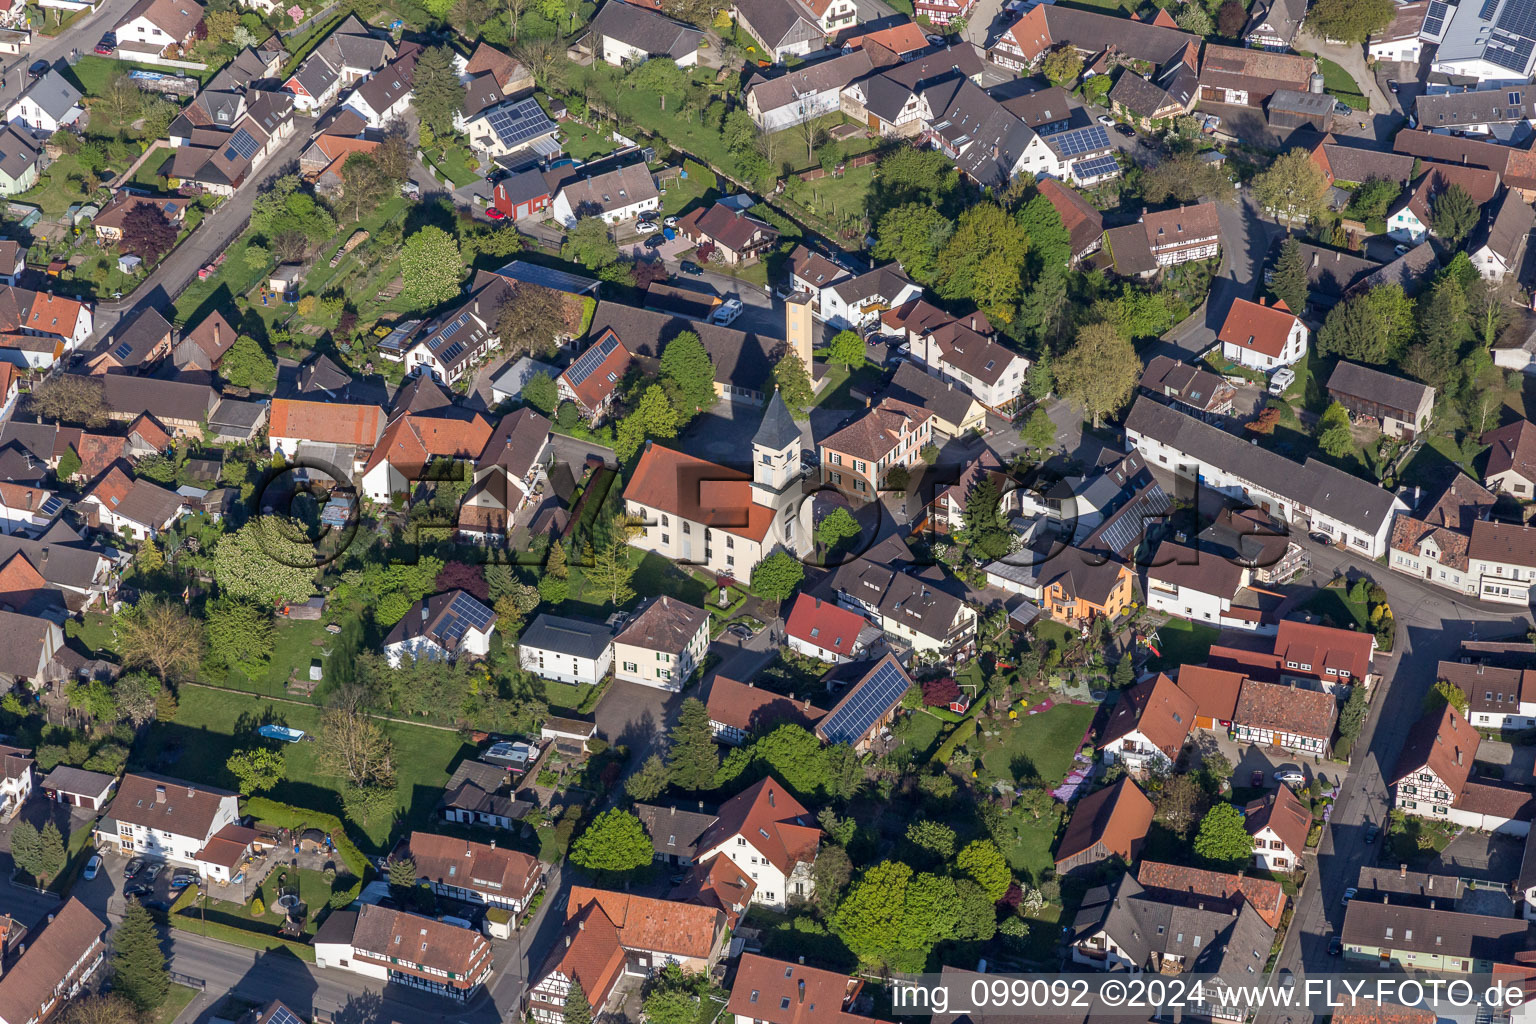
[107, 44]
[134, 867]
[1256, 780]
[157, 904]
[138, 889]
[152, 872]
[39, 68]
[692, 268]
[183, 878]
[1371, 832]
[1392, 86]
[1126, 130]
[655, 242]
[1335, 946]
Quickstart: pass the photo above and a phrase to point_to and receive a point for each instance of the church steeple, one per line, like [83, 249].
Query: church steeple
[775, 453]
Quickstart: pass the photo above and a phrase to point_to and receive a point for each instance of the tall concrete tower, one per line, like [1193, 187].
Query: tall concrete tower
[799, 327]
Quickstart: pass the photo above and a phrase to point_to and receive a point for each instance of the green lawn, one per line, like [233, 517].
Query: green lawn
[212, 724]
[917, 735]
[1183, 643]
[95, 632]
[1336, 609]
[297, 644]
[839, 382]
[1057, 634]
[175, 1002]
[653, 575]
[91, 73]
[1034, 746]
[453, 162]
[1340, 84]
[583, 143]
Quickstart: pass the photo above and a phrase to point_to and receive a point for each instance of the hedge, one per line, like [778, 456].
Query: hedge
[964, 731]
[287, 816]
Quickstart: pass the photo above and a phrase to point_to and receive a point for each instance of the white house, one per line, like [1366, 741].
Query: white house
[443, 627]
[1501, 558]
[385, 94]
[1262, 337]
[134, 506]
[566, 650]
[45, 106]
[1201, 587]
[165, 819]
[961, 355]
[1148, 726]
[1279, 824]
[1433, 779]
[662, 645]
[411, 444]
[623, 33]
[824, 630]
[853, 302]
[507, 472]
[16, 777]
[616, 196]
[152, 25]
[26, 508]
[771, 837]
[406, 949]
[1497, 247]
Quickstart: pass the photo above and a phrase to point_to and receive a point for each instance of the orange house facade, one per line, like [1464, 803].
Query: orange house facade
[1108, 594]
[858, 458]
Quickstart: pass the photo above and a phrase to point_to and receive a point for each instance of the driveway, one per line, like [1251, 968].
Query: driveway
[988, 21]
[637, 717]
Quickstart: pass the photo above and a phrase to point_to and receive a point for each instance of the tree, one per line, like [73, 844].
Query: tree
[246, 365]
[38, 853]
[138, 697]
[69, 464]
[160, 636]
[611, 570]
[650, 781]
[1195, 19]
[670, 1006]
[1180, 803]
[431, 267]
[257, 769]
[1100, 370]
[1350, 21]
[987, 533]
[614, 843]
[1352, 715]
[688, 371]
[793, 379]
[1371, 327]
[541, 393]
[139, 971]
[436, 92]
[1454, 213]
[985, 863]
[1050, 243]
[147, 233]
[1184, 177]
[652, 416]
[1293, 188]
[67, 398]
[95, 699]
[1231, 17]
[692, 757]
[1373, 197]
[364, 185]
[531, 321]
[577, 1009]
[240, 634]
[354, 746]
[838, 526]
[895, 917]
[937, 839]
[1222, 839]
[589, 244]
[556, 566]
[847, 348]
[983, 262]
[914, 235]
[777, 576]
[402, 873]
[1333, 434]
[1062, 64]
[1038, 432]
[110, 1008]
[1289, 284]
[1446, 692]
[265, 563]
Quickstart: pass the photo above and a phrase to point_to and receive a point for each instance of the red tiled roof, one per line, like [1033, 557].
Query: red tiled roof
[664, 926]
[1118, 816]
[1214, 690]
[325, 422]
[1324, 648]
[698, 491]
[824, 624]
[586, 950]
[410, 443]
[1256, 326]
[50, 959]
[876, 434]
[468, 865]
[772, 821]
[1265, 896]
[781, 992]
[1445, 743]
[899, 39]
[1157, 709]
[719, 884]
[1282, 813]
[1290, 709]
[600, 380]
[750, 708]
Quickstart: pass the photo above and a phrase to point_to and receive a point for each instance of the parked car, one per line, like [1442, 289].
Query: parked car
[1126, 130]
[410, 190]
[491, 213]
[92, 866]
[1349, 894]
[691, 269]
[107, 44]
[1372, 831]
[1105, 119]
[1256, 780]
[1400, 250]
[655, 242]
[1343, 108]
[1282, 379]
[38, 69]
[152, 871]
[727, 312]
[1290, 776]
[134, 867]
[809, 458]
[1335, 946]
[183, 878]
[137, 890]
[739, 631]
[670, 222]
[645, 227]
[1320, 538]
[1392, 86]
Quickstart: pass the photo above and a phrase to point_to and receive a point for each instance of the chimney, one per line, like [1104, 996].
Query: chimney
[45, 554]
[1458, 757]
[802, 960]
[1402, 871]
[802, 990]
[159, 794]
[581, 926]
[1314, 259]
[770, 797]
[567, 942]
[673, 812]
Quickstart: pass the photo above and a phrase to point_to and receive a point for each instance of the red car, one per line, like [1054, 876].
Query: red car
[492, 213]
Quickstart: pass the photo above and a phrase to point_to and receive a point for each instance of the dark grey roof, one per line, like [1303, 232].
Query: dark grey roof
[579, 638]
[1411, 270]
[58, 561]
[1283, 16]
[1330, 272]
[1128, 248]
[1441, 932]
[322, 375]
[1385, 389]
[963, 59]
[77, 780]
[1210, 939]
[1527, 878]
[672, 830]
[941, 398]
[655, 34]
[236, 417]
[1295, 102]
[779, 22]
[1506, 228]
[130, 342]
[1137, 95]
[163, 399]
[1481, 106]
[778, 429]
[741, 359]
[17, 153]
[1334, 492]
[52, 93]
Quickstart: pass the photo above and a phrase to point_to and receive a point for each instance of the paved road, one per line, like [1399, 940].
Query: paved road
[81, 35]
[1430, 628]
[1246, 240]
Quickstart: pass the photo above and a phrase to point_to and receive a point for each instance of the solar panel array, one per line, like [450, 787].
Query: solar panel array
[447, 332]
[590, 360]
[283, 1015]
[871, 698]
[516, 123]
[1080, 140]
[1514, 34]
[1489, 6]
[1434, 21]
[1127, 529]
[1095, 167]
[1511, 52]
[464, 613]
[122, 350]
[242, 142]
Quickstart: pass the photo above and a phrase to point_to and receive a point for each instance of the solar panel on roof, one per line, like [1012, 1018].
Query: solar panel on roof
[1489, 6]
[590, 360]
[122, 350]
[1095, 167]
[519, 123]
[242, 143]
[447, 332]
[1514, 54]
[1434, 20]
[472, 611]
[283, 1015]
[453, 351]
[1518, 17]
[870, 699]
[1080, 140]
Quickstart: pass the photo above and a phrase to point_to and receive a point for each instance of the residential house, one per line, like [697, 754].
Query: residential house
[327, 436]
[478, 873]
[1164, 239]
[616, 196]
[1156, 100]
[16, 775]
[443, 627]
[507, 472]
[662, 645]
[1411, 219]
[133, 506]
[593, 378]
[28, 509]
[1501, 557]
[1084, 223]
[1512, 459]
[13, 261]
[904, 38]
[513, 131]
[345, 57]
[1202, 586]
[1278, 715]
[566, 650]
[806, 93]
[1515, 166]
[1273, 24]
[1430, 938]
[868, 707]
[1500, 696]
[21, 160]
[1292, 109]
[1331, 275]
[1402, 406]
[1148, 725]
[784, 28]
[856, 302]
[1279, 824]
[1401, 40]
[481, 793]
[1431, 542]
[1249, 77]
[624, 33]
[202, 347]
[1262, 337]
[656, 932]
[406, 949]
[1046, 26]
[57, 964]
[1338, 505]
[768, 991]
[587, 953]
[135, 345]
[743, 367]
[29, 659]
[942, 12]
[81, 575]
[108, 224]
[1354, 165]
[946, 512]
[411, 444]
[858, 459]
[508, 73]
[160, 817]
[730, 231]
[1313, 657]
[385, 95]
[771, 837]
[47, 104]
[1126, 928]
[955, 411]
[1497, 247]
[1110, 822]
[1503, 112]
[524, 195]
[453, 344]
[738, 710]
[675, 832]
[78, 787]
[988, 369]
[823, 630]
[1265, 896]
[151, 26]
[1187, 387]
